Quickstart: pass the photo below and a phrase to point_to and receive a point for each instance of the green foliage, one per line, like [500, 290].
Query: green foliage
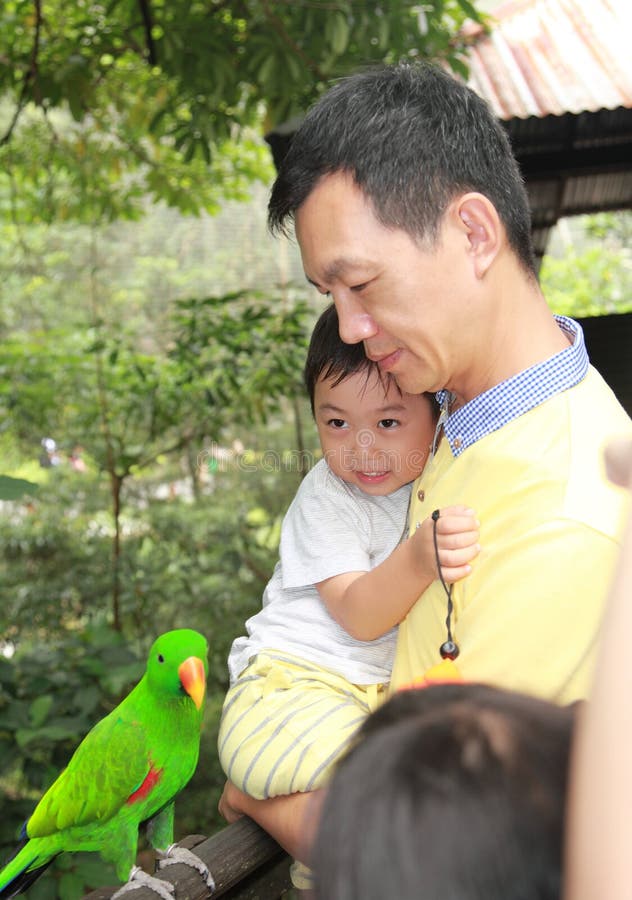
[57, 170]
[594, 275]
[613, 229]
[54, 276]
[36, 370]
[55, 559]
[105, 105]
[247, 344]
[182, 562]
[231, 361]
[132, 406]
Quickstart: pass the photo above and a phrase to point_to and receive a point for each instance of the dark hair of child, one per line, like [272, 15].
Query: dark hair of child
[329, 357]
[455, 791]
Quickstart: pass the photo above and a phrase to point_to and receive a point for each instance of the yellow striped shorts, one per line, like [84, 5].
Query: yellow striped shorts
[287, 721]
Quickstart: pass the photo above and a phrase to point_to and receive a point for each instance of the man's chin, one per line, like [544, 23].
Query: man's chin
[409, 383]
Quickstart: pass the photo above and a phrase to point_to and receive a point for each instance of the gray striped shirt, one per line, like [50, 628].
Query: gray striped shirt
[330, 528]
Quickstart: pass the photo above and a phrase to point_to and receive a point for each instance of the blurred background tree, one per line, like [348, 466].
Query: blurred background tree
[106, 105]
[588, 269]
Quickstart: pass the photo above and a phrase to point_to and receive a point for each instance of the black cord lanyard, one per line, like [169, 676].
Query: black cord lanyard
[449, 649]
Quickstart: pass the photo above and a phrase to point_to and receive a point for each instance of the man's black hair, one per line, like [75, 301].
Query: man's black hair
[413, 138]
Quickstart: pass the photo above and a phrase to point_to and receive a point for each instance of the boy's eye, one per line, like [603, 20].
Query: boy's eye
[337, 423]
[388, 423]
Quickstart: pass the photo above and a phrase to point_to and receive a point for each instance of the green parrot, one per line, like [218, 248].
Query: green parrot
[127, 770]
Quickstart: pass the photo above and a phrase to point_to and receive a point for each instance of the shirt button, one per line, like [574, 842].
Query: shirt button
[421, 495]
[457, 443]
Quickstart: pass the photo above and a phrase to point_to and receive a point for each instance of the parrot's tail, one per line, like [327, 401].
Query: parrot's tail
[17, 875]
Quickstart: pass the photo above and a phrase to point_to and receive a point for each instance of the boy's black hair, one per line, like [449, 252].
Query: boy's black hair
[456, 791]
[413, 138]
[329, 357]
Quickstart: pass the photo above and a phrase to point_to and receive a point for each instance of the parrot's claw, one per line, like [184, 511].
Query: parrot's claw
[138, 879]
[174, 854]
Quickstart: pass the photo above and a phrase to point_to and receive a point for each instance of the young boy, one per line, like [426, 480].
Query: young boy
[317, 658]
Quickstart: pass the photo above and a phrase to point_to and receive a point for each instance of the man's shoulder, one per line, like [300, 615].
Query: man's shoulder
[594, 393]
[584, 415]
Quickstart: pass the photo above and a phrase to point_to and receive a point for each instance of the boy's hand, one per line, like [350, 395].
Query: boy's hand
[457, 542]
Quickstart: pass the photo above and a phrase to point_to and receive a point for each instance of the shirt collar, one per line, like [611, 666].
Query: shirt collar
[517, 395]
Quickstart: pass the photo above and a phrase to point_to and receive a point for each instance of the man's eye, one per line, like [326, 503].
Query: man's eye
[388, 423]
[337, 423]
[357, 288]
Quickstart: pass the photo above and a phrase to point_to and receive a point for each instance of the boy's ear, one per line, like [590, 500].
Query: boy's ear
[483, 229]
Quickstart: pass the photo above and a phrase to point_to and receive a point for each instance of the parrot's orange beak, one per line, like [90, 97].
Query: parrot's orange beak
[193, 679]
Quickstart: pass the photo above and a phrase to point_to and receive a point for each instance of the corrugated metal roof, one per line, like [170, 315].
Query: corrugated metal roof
[549, 57]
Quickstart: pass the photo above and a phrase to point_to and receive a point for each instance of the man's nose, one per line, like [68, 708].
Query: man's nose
[354, 324]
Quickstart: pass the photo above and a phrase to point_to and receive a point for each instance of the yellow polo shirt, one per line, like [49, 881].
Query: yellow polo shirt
[528, 616]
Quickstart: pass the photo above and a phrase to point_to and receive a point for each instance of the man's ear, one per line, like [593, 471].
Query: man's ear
[483, 228]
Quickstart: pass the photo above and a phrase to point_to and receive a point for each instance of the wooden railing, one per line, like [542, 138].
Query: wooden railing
[246, 863]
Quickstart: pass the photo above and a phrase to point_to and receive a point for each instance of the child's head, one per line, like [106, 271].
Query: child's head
[460, 791]
[372, 434]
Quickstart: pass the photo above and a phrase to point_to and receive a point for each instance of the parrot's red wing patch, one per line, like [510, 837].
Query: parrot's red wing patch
[151, 780]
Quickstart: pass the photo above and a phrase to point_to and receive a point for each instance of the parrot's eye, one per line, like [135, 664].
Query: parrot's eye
[161, 658]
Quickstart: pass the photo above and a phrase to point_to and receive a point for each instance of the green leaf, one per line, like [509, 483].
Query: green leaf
[26, 736]
[40, 708]
[339, 32]
[15, 488]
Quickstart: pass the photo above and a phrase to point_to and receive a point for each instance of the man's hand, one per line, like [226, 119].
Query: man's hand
[231, 803]
[291, 819]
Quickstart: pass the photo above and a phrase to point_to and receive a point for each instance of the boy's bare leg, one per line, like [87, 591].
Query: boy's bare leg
[291, 819]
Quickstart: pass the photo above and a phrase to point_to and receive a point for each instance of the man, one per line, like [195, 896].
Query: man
[410, 212]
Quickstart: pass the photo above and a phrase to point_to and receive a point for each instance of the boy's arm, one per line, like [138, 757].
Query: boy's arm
[368, 604]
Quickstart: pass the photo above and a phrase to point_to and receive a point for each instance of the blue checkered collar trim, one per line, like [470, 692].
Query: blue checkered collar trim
[517, 395]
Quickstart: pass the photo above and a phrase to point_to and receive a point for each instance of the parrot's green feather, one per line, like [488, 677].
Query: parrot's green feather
[127, 770]
[81, 795]
[160, 828]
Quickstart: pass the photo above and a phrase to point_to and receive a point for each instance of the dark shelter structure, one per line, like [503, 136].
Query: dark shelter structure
[558, 74]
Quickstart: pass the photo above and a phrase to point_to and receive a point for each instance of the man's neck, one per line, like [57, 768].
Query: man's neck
[520, 333]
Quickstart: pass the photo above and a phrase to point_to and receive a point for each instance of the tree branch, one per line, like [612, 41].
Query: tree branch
[31, 75]
[145, 12]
